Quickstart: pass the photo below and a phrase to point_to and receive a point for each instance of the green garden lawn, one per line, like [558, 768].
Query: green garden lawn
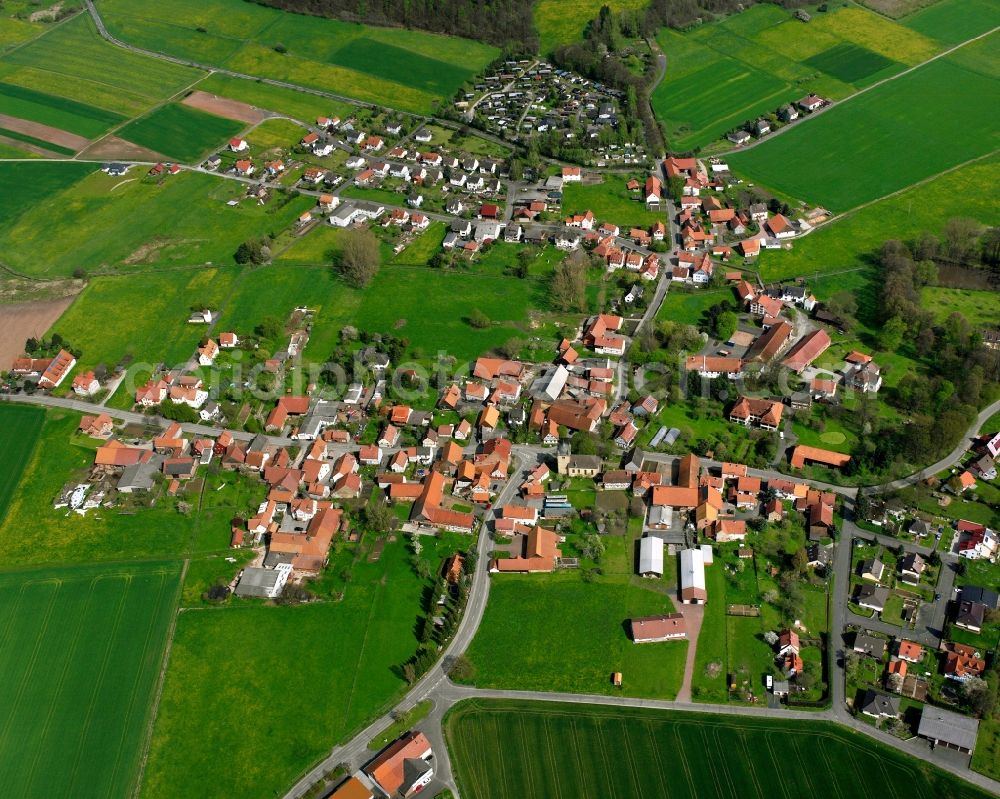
[180, 132]
[615, 751]
[611, 202]
[82, 651]
[889, 138]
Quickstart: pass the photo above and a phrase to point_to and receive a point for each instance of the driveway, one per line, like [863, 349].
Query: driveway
[693, 617]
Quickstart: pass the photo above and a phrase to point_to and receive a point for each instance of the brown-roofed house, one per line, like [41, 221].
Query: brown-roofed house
[402, 768]
[806, 350]
[652, 629]
[801, 454]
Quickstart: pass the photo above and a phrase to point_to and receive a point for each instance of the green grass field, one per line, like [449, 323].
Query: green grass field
[407, 69]
[954, 21]
[117, 80]
[560, 22]
[979, 307]
[26, 185]
[889, 138]
[224, 678]
[180, 132]
[852, 241]
[58, 112]
[114, 224]
[724, 73]
[35, 533]
[605, 751]
[611, 202]
[554, 632]
[849, 62]
[24, 137]
[19, 429]
[160, 332]
[300, 105]
[81, 655]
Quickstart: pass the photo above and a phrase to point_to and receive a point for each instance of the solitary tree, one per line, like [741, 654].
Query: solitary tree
[359, 257]
[569, 284]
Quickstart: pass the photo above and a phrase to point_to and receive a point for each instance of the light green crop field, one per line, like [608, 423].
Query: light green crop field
[19, 429]
[722, 74]
[272, 722]
[35, 533]
[850, 242]
[73, 50]
[410, 70]
[954, 21]
[58, 112]
[180, 131]
[897, 134]
[553, 632]
[125, 224]
[82, 650]
[156, 332]
[604, 751]
[560, 22]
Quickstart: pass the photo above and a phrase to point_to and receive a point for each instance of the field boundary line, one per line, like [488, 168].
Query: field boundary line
[160, 681]
[820, 112]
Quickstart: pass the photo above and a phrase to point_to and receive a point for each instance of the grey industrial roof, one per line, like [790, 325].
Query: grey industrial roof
[651, 556]
[256, 582]
[943, 725]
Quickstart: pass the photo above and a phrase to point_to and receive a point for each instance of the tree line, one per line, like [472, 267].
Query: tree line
[960, 374]
[499, 22]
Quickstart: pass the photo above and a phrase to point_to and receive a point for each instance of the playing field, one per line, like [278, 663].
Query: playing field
[126, 224]
[891, 137]
[560, 22]
[81, 654]
[723, 74]
[406, 69]
[180, 132]
[261, 722]
[19, 428]
[604, 751]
